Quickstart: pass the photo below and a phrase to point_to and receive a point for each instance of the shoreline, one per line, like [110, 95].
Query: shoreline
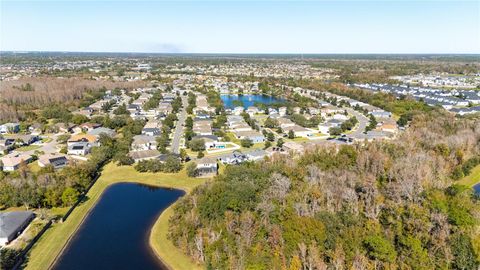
[66, 230]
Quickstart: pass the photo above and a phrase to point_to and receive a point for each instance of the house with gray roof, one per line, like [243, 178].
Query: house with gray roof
[12, 224]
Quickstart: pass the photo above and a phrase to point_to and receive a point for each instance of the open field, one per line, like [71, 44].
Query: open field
[51, 244]
[471, 179]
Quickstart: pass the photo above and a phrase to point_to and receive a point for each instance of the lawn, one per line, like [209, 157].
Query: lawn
[44, 253]
[28, 148]
[471, 179]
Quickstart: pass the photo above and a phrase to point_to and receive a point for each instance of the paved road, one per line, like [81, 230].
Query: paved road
[363, 121]
[47, 148]
[175, 146]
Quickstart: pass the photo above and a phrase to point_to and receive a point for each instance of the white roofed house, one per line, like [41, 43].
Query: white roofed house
[282, 111]
[313, 110]
[211, 141]
[257, 154]
[378, 113]
[79, 148]
[298, 131]
[325, 127]
[238, 110]
[253, 135]
[9, 128]
[252, 110]
[103, 130]
[285, 122]
[232, 158]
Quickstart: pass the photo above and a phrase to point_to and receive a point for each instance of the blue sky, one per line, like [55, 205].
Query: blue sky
[241, 27]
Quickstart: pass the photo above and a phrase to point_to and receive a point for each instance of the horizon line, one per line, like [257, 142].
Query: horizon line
[248, 53]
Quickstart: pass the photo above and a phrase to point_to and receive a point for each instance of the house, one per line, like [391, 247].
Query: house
[12, 224]
[79, 148]
[12, 162]
[202, 127]
[252, 110]
[144, 155]
[87, 127]
[144, 142]
[238, 110]
[298, 131]
[103, 130]
[282, 111]
[388, 127]
[9, 128]
[56, 161]
[82, 138]
[253, 135]
[65, 128]
[87, 111]
[293, 147]
[6, 144]
[234, 119]
[35, 129]
[207, 166]
[232, 158]
[381, 114]
[21, 139]
[257, 154]
[341, 117]
[241, 126]
[284, 122]
[211, 141]
[313, 110]
[325, 127]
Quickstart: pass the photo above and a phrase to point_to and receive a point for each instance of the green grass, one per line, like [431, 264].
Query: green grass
[34, 167]
[45, 251]
[28, 148]
[471, 179]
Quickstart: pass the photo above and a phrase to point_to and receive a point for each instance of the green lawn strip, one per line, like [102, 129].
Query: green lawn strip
[28, 148]
[164, 248]
[51, 244]
[471, 179]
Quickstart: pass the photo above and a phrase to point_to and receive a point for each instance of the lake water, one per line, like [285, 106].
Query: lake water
[248, 100]
[477, 189]
[115, 234]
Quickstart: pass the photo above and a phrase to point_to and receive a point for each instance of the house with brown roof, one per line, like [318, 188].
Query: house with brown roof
[12, 162]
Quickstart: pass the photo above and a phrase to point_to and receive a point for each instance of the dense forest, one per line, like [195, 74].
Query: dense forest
[381, 205]
[19, 96]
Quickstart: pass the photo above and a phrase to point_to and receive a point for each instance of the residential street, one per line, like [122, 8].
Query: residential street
[48, 147]
[363, 121]
[175, 147]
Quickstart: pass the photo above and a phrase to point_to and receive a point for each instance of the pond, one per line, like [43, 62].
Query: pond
[476, 188]
[248, 100]
[115, 234]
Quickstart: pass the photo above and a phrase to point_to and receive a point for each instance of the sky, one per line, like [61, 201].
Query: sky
[241, 27]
